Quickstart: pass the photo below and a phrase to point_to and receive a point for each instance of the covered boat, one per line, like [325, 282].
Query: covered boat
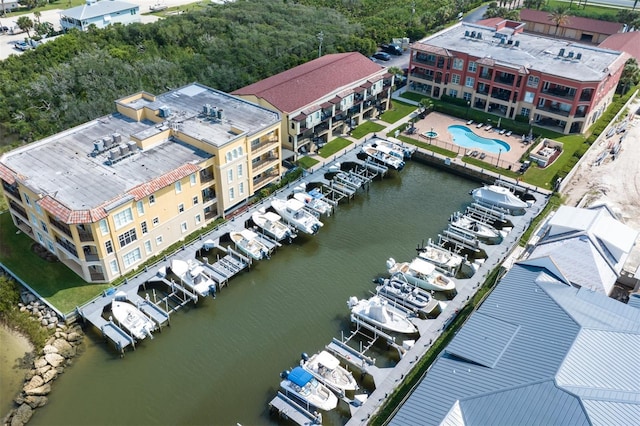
[192, 275]
[377, 312]
[479, 229]
[271, 225]
[498, 196]
[301, 384]
[382, 156]
[326, 368]
[314, 200]
[132, 319]
[440, 257]
[294, 213]
[422, 274]
[407, 295]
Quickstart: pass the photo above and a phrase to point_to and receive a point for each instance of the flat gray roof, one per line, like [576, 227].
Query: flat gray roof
[533, 52]
[97, 9]
[63, 166]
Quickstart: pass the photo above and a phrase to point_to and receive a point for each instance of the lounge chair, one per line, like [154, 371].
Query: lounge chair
[469, 122]
[474, 153]
[482, 155]
[502, 132]
[489, 127]
[509, 133]
[479, 125]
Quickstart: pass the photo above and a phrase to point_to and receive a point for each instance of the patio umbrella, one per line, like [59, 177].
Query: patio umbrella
[499, 121]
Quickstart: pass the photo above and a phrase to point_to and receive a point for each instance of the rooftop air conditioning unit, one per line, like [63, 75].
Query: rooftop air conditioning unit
[117, 137]
[133, 147]
[107, 141]
[561, 52]
[114, 154]
[579, 56]
[98, 145]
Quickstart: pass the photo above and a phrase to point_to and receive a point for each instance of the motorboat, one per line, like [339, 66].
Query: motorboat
[408, 295]
[440, 257]
[422, 274]
[300, 384]
[132, 319]
[498, 196]
[479, 229]
[379, 155]
[378, 312]
[314, 200]
[294, 213]
[249, 243]
[349, 178]
[191, 273]
[401, 151]
[327, 369]
[271, 225]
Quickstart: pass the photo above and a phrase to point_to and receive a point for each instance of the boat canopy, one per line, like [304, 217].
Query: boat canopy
[328, 360]
[248, 234]
[422, 266]
[295, 205]
[271, 216]
[299, 376]
[315, 193]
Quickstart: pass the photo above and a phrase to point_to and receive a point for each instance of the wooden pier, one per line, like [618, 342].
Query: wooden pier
[291, 409]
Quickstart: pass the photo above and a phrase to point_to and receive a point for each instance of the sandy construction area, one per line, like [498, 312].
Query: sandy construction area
[615, 182]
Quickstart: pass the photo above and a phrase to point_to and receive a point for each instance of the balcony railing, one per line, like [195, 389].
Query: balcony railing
[580, 114]
[11, 190]
[67, 246]
[85, 235]
[485, 75]
[206, 177]
[266, 142]
[422, 76]
[91, 257]
[97, 276]
[264, 178]
[260, 163]
[18, 209]
[556, 111]
[586, 97]
[501, 96]
[208, 196]
[505, 80]
[559, 93]
[424, 61]
[61, 226]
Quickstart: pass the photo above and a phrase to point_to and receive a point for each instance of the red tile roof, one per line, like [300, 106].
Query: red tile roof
[489, 22]
[307, 83]
[625, 42]
[574, 22]
[7, 174]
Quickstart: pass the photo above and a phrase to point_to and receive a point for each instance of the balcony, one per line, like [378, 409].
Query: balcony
[581, 113]
[67, 246]
[507, 79]
[85, 234]
[266, 143]
[96, 274]
[18, 209]
[60, 226]
[90, 253]
[503, 95]
[11, 190]
[422, 59]
[205, 176]
[485, 75]
[553, 110]
[586, 96]
[482, 90]
[208, 196]
[422, 76]
[264, 179]
[560, 92]
[262, 162]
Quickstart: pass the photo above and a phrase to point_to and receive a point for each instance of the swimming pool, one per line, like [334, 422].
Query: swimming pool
[466, 138]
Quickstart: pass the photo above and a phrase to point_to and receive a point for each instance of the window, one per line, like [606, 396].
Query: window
[114, 266]
[229, 175]
[127, 237]
[525, 112]
[159, 240]
[458, 64]
[195, 200]
[235, 154]
[39, 209]
[229, 157]
[529, 96]
[131, 257]
[104, 228]
[240, 170]
[44, 226]
[180, 208]
[533, 81]
[123, 218]
[192, 179]
[241, 188]
[50, 246]
[152, 199]
[108, 246]
[40, 238]
[156, 221]
[178, 187]
[455, 78]
[147, 246]
[198, 219]
[34, 219]
[143, 227]
[466, 96]
[470, 81]
[453, 93]
[140, 207]
[183, 227]
[472, 67]
[240, 150]
[231, 194]
[26, 199]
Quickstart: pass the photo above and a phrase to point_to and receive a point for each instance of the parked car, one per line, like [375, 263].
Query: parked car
[22, 45]
[392, 49]
[382, 56]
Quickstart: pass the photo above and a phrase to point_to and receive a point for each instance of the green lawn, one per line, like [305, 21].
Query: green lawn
[332, 147]
[398, 110]
[591, 10]
[307, 162]
[366, 128]
[51, 280]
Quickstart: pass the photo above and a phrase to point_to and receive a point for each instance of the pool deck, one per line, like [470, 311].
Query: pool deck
[440, 122]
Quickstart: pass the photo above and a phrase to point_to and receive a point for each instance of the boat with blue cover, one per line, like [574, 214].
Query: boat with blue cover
[300, 384]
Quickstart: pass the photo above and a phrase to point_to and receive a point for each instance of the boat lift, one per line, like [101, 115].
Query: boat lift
[293, 410]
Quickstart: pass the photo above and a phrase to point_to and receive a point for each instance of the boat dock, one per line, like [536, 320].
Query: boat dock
[290, 409]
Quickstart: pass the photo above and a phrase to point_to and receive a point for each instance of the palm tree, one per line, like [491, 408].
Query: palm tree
[426, 105]
[25, 24]
[559, 17]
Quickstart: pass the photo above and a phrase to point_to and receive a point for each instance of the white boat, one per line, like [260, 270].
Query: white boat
[498, 196]
[407, 295]
[327, 369]
[378, 312]
[422, 274]
[477, 228]
[192, 275]
[249, 243]
[293, 212]
[271, 224]
[132, 319]
[301, 384]
[313, 200]
[349, 178]
[395, 149]
[440, 257]
[382, 157]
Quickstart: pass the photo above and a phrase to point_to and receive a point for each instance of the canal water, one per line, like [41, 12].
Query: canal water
[219, 362]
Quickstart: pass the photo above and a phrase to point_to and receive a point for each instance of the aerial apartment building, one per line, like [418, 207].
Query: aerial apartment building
[108, 194]
[323, 98]
[557, 84]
